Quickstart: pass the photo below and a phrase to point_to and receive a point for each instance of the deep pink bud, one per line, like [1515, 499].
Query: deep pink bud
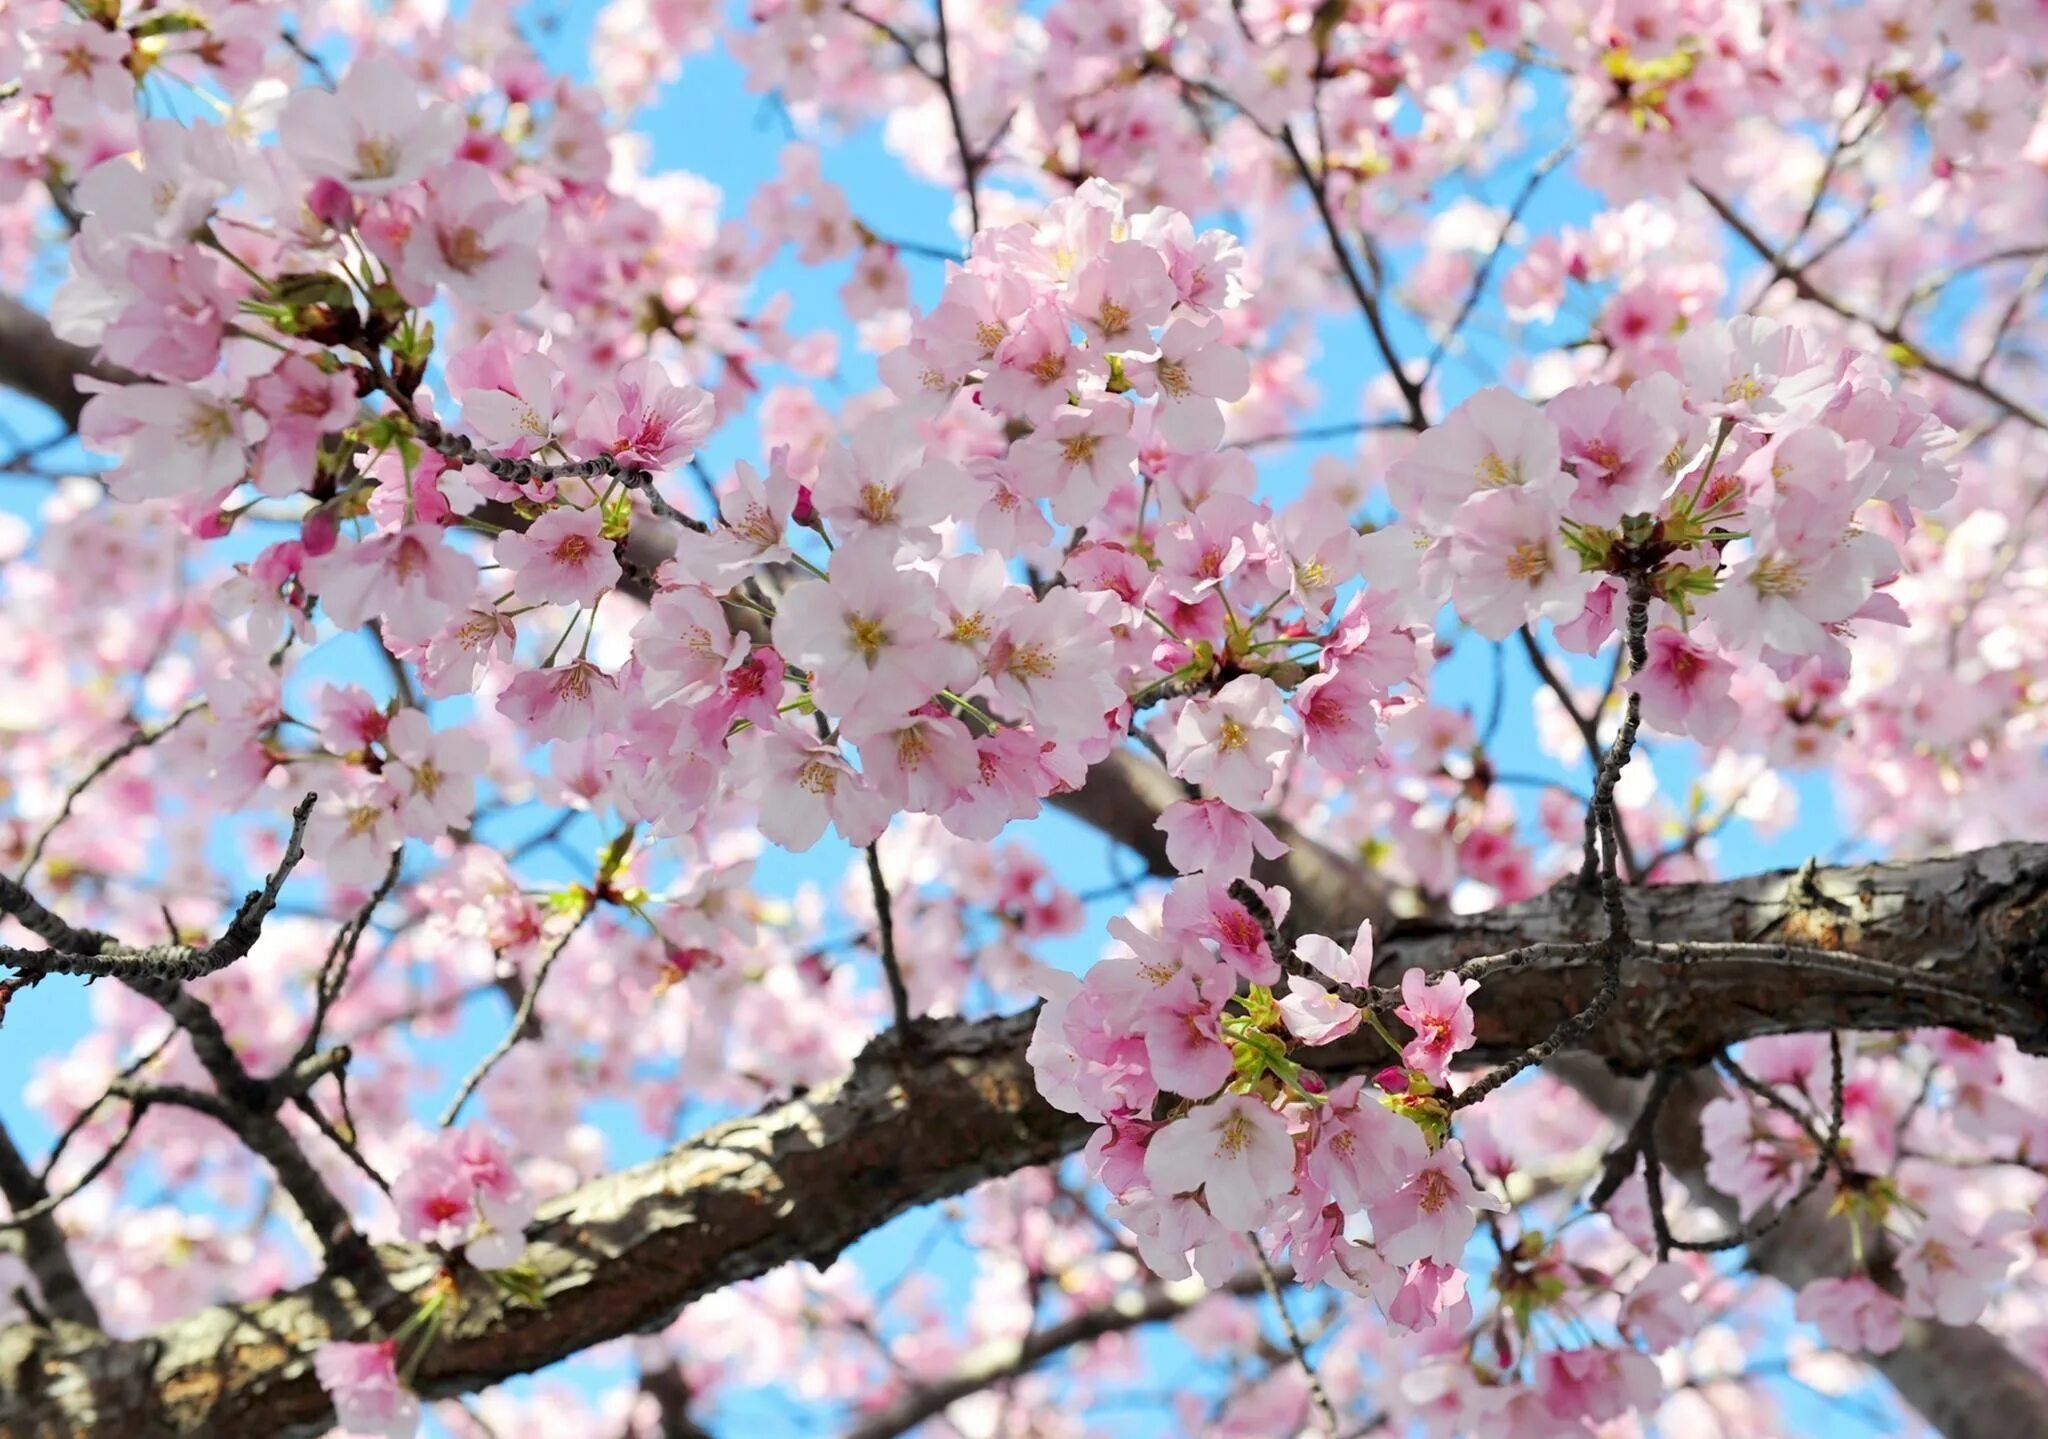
[277, 564]
[1393, 1079]
[1312, 1083]
[318, 532]
[805, 510]
[331, 204]
[212, 525]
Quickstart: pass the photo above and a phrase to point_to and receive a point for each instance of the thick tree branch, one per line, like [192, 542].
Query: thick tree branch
[48, 1260]
[34, 362]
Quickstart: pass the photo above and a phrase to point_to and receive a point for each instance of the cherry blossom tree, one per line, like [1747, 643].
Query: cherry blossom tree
[1283, 623]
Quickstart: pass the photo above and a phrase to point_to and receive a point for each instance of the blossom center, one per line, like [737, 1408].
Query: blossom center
[1236, 1136]
[209, 425]
[1777, 577]
[912, 748]
[1049, 366]
[376, 158]
[877, 503]
[1232, 735]
[1173, 378]
[868, 636]
[1529, 561]
[464, 250]
[441, 1208]
[1030, 662]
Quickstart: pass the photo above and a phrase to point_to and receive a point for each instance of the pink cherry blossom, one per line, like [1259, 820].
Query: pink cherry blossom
[1207, 835]
[1183, 1037]
[1195, 368]
[1493, 441]
[370, 131]
[1657, 1311]
[435, 772]
[561, 558]
[1432, 1215]
[1511, 565]
[362, 1381]
[1440, 1013]
[1592, 1386]
[1686, 688]
[474, 241]
[1234, 1150]
[173, 440]
[686, 646]
[409, 580]
[1614, 449]
[1363, 1153]
[1852, 1313]
[641, 416]
[1234, 743]
[882, 484]
[1314, 1014]
[867, 635]
[1949, 1273]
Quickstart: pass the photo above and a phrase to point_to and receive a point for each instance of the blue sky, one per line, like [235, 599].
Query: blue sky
[709, 124]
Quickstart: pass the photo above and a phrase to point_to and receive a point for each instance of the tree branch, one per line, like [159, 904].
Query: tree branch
[1156, 1303]
[36, 363]
[1889, 333]
[48, 1260]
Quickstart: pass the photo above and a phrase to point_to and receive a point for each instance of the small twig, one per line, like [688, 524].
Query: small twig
[1368, 302]
[334, 970]
[1485, 268]
[141, 739]
[1317, 1394]
[1804, 286]
[517, 1029]
[21, 1218]
[885, 935]
[1829, 1157]
[970, 163]
[85, 1115]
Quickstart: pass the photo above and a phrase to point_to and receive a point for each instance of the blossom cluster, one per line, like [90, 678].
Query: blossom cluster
[429, 348]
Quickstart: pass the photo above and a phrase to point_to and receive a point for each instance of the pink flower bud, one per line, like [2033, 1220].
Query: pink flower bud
[331, 204]
[318, 532]
[212, 525]
[278, 563]
[1393, 1079]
